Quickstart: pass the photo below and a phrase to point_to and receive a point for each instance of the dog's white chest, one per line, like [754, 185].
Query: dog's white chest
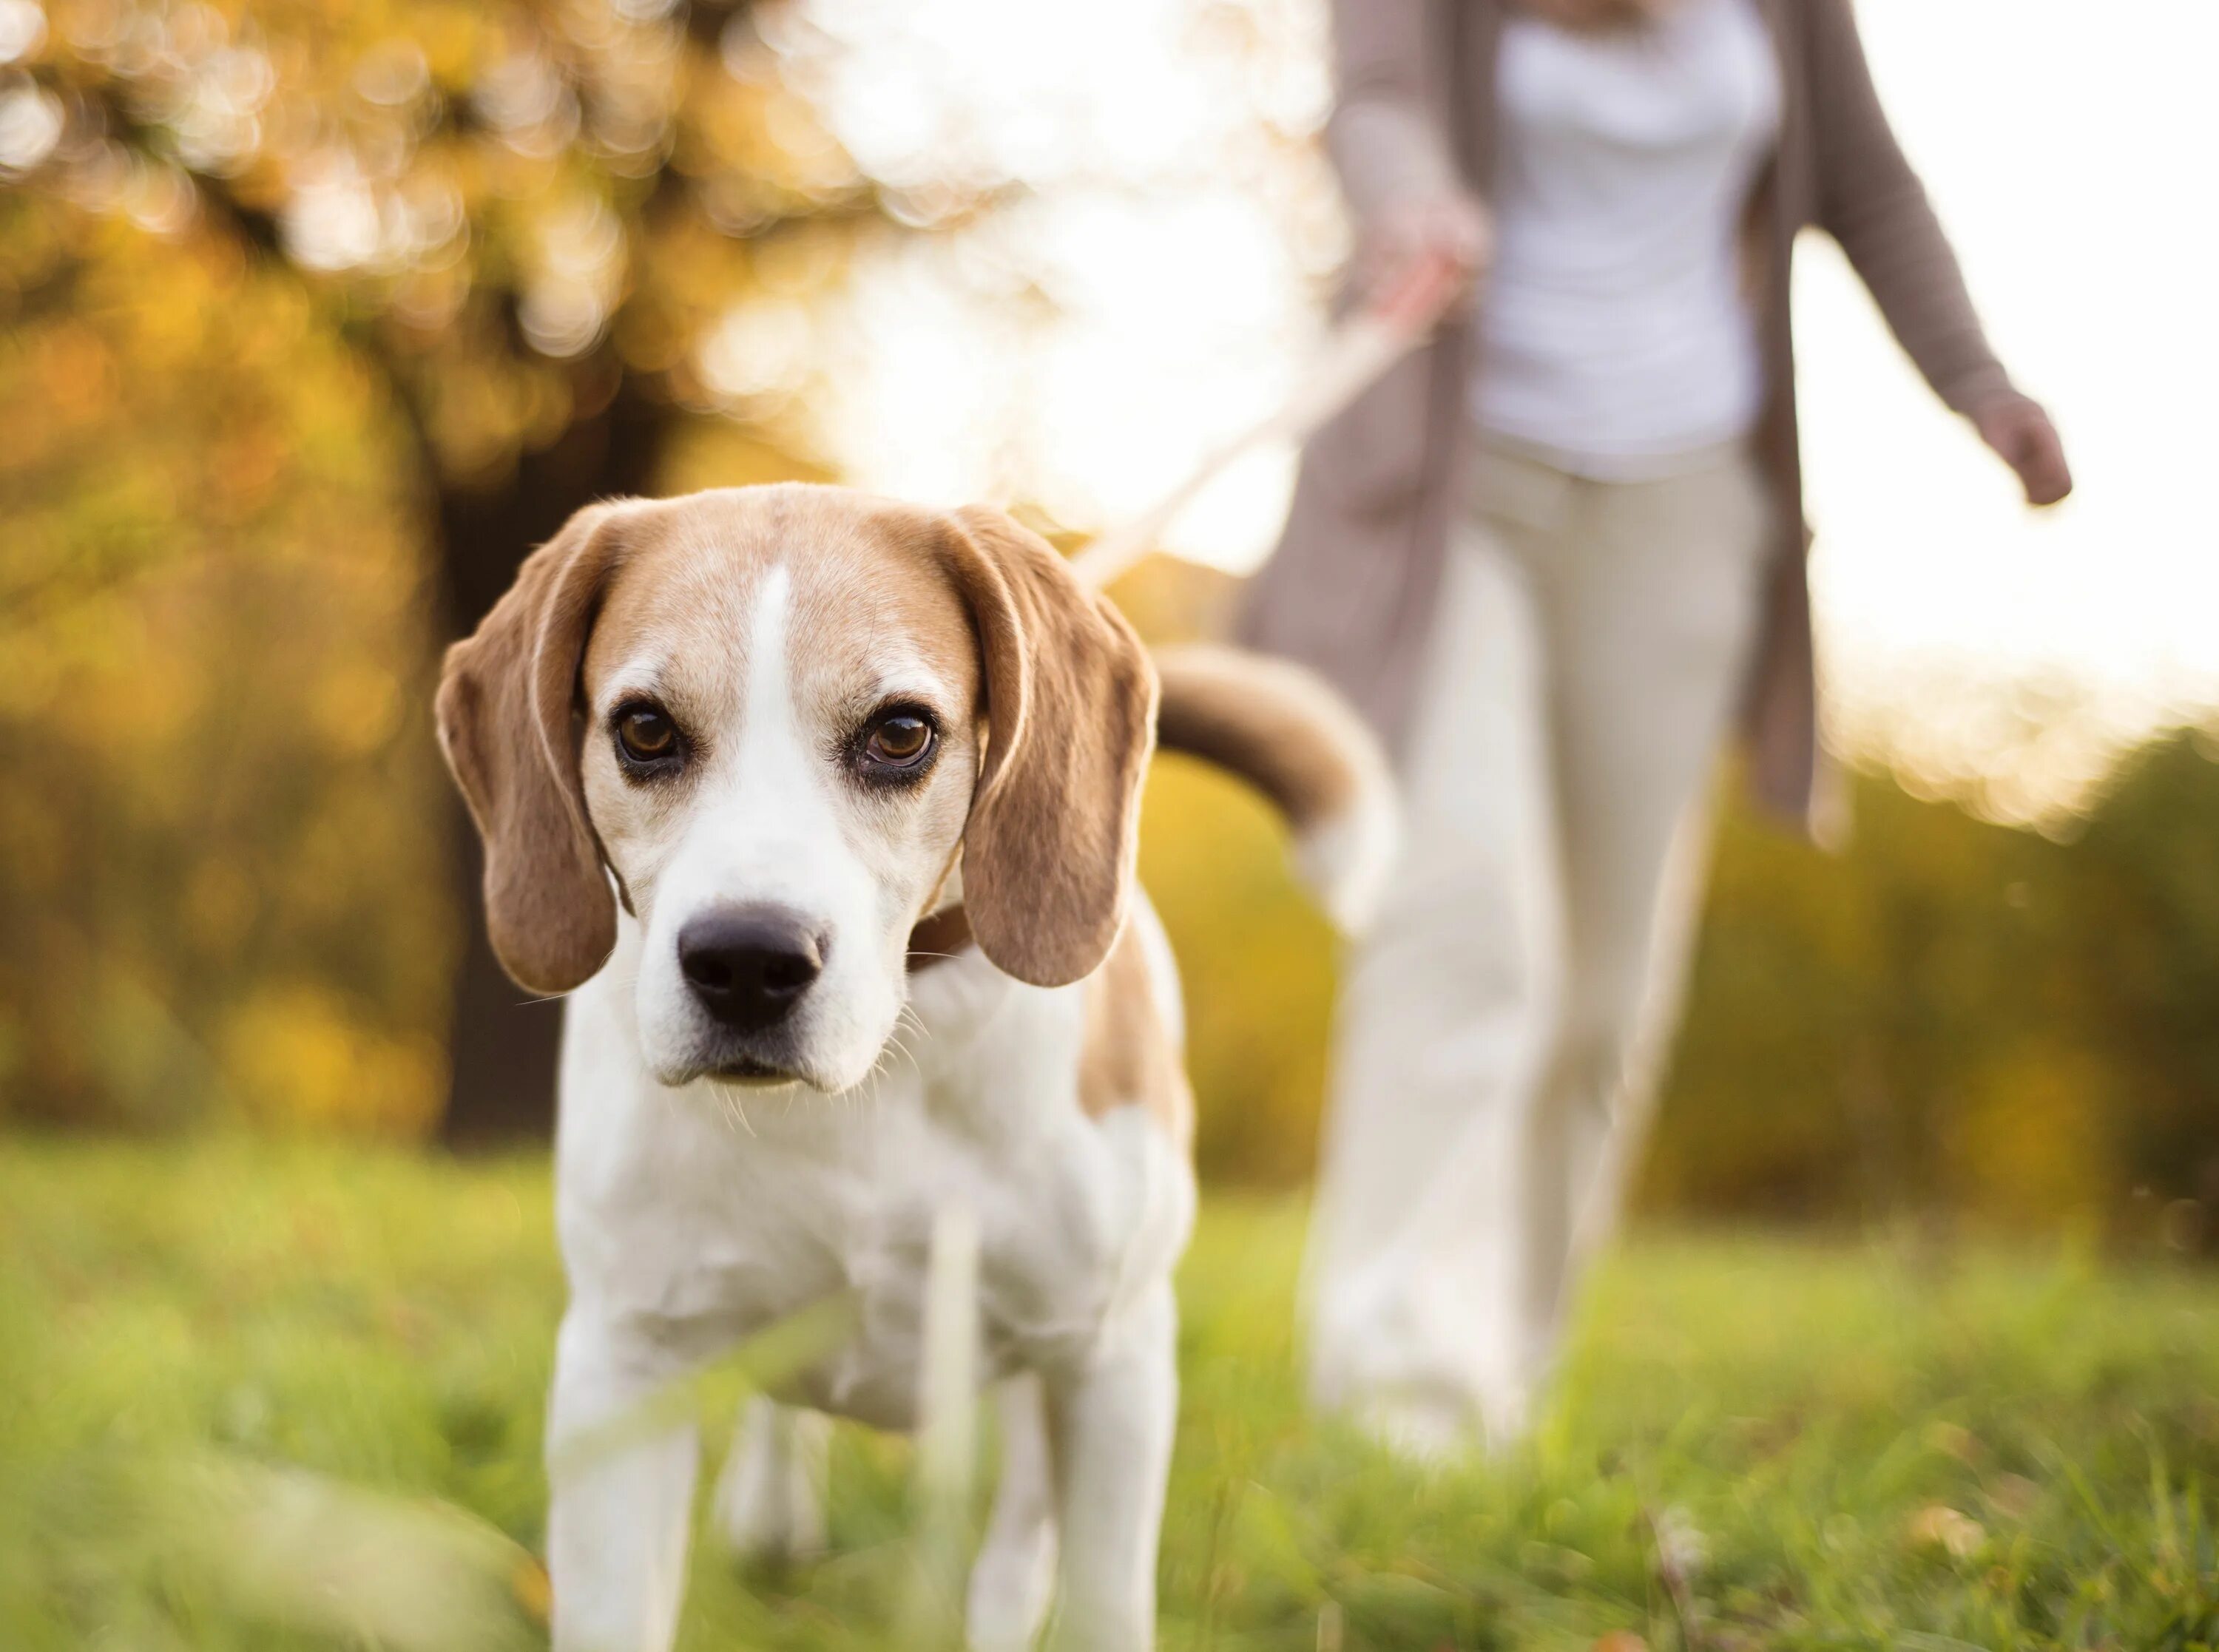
[698, 1218]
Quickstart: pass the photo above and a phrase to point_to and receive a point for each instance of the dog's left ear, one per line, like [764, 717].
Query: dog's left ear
[1071, 715]
[506, 708]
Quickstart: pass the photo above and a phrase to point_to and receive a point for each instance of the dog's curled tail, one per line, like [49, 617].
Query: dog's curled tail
[1281, 727]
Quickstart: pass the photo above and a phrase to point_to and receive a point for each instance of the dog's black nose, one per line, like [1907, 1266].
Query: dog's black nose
[749, 966]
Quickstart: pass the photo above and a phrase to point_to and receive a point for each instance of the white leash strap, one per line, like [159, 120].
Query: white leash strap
[1358, 352]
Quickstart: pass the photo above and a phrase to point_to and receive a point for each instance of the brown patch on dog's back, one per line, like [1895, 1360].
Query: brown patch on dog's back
[1126, 1055]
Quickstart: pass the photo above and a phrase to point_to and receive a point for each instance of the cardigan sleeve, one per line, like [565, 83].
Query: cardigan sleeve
[1387, 140]
[1871, 201]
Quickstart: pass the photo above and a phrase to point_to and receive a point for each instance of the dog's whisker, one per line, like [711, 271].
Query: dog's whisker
[736, 1110]
[904, 1018]
[882, 1066]
[908, 1055]
[908, 1017]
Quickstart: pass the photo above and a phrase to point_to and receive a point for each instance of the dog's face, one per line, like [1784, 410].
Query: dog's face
[782, 737]
[774, 723]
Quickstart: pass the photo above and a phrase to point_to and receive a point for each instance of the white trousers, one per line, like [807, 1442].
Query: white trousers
[1498, 1034]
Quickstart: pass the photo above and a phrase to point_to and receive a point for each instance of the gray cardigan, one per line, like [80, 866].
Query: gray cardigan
[1352, 589]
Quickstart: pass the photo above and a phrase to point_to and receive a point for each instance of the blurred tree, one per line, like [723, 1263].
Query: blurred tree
[213, 839]
[533, 223]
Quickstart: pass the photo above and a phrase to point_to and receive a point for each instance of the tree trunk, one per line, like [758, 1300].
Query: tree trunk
[503, 1042]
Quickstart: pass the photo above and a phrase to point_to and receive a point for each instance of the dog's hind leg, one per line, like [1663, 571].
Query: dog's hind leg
[770, 1499]
[1014, 1577]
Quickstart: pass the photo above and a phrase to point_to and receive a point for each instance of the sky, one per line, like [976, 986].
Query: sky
[1158, 286]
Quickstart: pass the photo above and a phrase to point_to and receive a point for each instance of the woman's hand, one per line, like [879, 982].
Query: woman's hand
[1451, 230]
[2022, 435]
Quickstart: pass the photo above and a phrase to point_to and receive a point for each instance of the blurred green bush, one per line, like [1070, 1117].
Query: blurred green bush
[1958, 1015]
[1949, 1016]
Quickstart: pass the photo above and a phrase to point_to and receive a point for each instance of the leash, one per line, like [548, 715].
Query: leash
[1357, 354]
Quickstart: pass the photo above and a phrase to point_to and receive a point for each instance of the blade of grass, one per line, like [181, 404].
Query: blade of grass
[948, 1390]
[773, 1356]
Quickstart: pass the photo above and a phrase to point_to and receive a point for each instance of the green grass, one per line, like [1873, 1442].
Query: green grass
[1844, 1444]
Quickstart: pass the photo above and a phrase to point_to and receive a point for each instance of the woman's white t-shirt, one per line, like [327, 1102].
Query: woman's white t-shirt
[1615, 335]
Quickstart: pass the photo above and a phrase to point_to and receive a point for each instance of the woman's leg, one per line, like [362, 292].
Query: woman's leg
[1650, 605]
[1445, 1029]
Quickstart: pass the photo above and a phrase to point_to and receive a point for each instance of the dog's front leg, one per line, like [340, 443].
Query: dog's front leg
[1110, 1424]
[622, 1492]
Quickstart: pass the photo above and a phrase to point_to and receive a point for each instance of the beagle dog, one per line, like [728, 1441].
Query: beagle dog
[821, 808]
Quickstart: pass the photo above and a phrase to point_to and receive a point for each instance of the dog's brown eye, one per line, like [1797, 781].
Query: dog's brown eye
[646, 733]
[900, 741]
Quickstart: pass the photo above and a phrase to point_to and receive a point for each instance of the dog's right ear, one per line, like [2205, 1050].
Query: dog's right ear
[506, 712]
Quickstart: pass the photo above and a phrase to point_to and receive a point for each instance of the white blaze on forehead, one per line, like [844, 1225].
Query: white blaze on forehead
[765, 826]
[769, 678]
[773, 816]
[775, 784]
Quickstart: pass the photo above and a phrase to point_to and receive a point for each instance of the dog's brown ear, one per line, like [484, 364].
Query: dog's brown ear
[506, 708]
[1071, 714]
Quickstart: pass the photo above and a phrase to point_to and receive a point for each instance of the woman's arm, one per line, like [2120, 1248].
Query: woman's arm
[1390, 143]
[1872, 203]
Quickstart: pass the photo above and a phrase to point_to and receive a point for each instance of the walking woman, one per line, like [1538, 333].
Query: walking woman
[1556, 555]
